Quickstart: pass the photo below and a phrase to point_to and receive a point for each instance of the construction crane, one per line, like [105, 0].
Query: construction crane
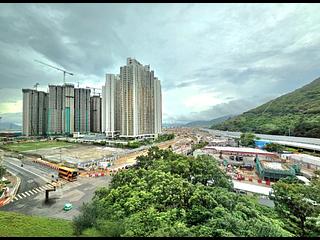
[64, 71]
[36, 86]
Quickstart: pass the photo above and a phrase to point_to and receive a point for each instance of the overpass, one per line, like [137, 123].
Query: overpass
[298, 142]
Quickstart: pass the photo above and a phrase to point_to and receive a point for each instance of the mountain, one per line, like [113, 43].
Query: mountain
[207, 123]
[171, 125]
[9, 126]
[11, 121]
[296, 114]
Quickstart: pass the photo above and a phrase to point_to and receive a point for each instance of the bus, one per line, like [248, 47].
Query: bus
[68, 173]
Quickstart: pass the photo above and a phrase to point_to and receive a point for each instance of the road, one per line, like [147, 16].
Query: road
[31, 175]
[76, 193]
[314, 141]
[130, 158]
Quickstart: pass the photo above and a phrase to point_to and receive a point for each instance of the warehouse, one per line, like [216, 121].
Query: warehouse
[241, 151]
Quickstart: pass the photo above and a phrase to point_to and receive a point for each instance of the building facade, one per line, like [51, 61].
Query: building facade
[35, 106]
[61, 109]
[55, 110]
[111, 105]
[82, 110]
[132, 102]
[95, 114]
[130, 107]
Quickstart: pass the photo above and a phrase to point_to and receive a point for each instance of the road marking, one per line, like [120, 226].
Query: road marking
[19, 196]
[15, 198]
[42, 188]
[23, 195]
[30, 192]
[10, 163]
[27, 194]
[34, 191]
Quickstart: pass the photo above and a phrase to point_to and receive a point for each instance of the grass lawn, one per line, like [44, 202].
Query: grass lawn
[18, 225]
[36, 145]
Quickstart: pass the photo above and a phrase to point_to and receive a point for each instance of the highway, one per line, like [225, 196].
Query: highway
[31, 176]
[310, 141]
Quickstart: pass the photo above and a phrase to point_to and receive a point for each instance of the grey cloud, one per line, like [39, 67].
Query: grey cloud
[232, 107]
[214, 47]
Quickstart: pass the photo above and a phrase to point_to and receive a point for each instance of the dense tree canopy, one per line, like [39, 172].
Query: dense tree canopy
[274, 147]
[299, 205]
[247, 139]
[167, 194]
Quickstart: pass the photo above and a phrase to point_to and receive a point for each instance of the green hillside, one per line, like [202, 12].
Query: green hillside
[297, 112]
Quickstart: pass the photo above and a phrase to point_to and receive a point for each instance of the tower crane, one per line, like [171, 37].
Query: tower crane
[64, 71]
[36, 86]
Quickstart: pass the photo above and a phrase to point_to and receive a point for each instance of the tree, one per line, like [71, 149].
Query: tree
[296, 203]
[171, 195]
[247, 139]
[2, 171]
[274, 147]
[199, 145]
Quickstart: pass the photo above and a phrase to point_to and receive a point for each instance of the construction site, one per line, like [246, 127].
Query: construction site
[274, 170]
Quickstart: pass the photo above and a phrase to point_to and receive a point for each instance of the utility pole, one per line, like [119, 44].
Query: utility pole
[62, 70]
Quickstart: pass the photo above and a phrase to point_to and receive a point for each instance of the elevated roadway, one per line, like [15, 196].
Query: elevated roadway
[299, 142]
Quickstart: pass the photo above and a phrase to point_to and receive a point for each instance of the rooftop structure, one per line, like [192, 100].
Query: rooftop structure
[251, 188]
[275, 170]
[304, 179]
[240, 151]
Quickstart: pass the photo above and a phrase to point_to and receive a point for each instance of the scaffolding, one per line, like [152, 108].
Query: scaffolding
[275, 174]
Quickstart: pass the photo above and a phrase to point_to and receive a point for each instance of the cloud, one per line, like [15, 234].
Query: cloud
[232, 107]
[211, 58]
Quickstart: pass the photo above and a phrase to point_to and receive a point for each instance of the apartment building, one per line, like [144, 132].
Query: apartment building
[131, 102]
[111, 105]
[61, 109]
[35, 105]
[82, 110]
[95, 114]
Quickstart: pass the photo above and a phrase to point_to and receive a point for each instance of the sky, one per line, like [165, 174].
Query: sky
[212, 59]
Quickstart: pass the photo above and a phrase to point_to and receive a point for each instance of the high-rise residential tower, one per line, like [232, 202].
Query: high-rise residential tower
[35, 105]
[55, 110]
[157, 106]
[82, 110]
[95, 114]
[111, 105]
[61, 109]
[140, 101]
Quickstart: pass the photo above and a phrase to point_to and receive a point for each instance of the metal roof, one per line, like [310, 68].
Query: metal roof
[239, 150]
[251, 188]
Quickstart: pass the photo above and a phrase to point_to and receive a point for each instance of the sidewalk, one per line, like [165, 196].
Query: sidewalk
[12, 191]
